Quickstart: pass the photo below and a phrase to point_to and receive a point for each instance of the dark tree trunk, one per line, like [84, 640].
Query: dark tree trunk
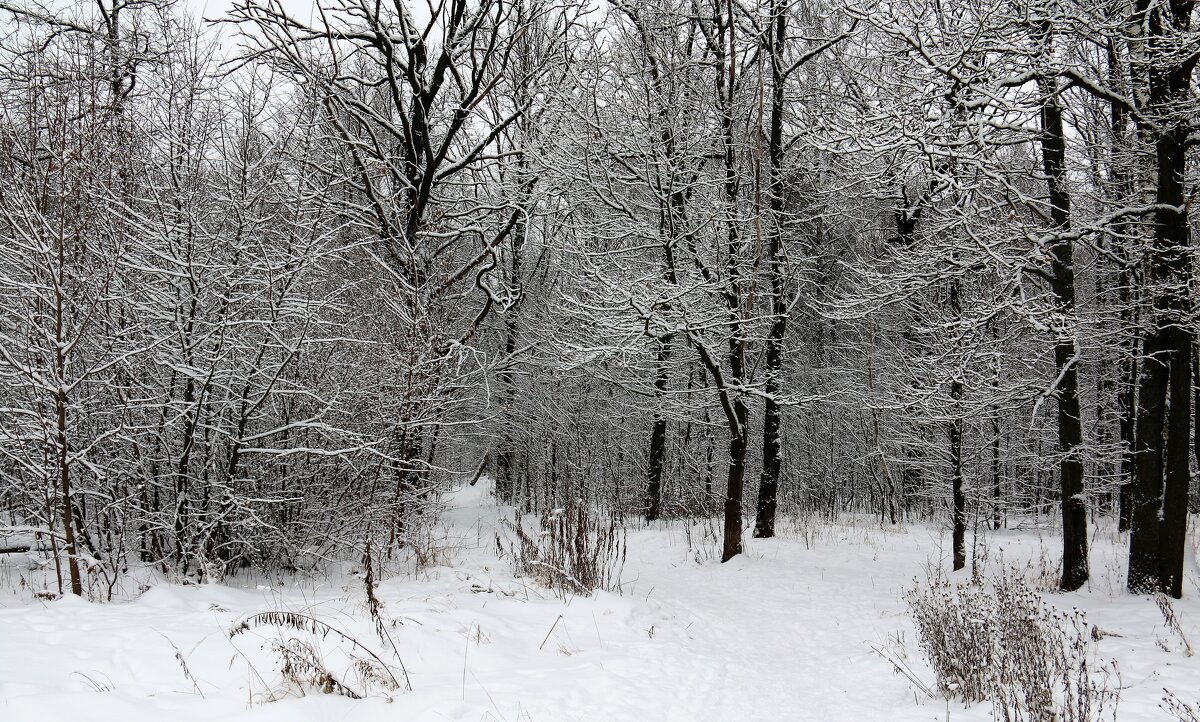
[658, 434]
[1147, 486]
[64, 484]
[737, 412]
[996, 476]
[768, 485]
[673, 192]
[732, 545]
[1126, 296]
[506, 461]
[1128, 423]
[958, 492]
[506, 456]
[1062, 282]
[1159, 523]
[959, 512]
[1173, 537]
[1174, 238]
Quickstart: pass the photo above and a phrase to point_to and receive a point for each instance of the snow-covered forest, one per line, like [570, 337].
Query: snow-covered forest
[615, 360]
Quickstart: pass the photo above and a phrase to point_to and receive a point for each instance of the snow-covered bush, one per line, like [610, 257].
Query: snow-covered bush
[1005, 644]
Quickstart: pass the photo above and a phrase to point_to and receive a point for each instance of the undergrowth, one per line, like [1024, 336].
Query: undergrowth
[575, 551]
[1182, 711]
[1006, 645]
[304, 666]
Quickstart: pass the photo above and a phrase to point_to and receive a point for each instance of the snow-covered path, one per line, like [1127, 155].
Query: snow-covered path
[772, 639]
[785, 632]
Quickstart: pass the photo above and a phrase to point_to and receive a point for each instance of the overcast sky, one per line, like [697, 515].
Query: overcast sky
[214, 9]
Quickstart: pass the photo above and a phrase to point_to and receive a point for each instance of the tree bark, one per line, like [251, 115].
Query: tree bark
[658, 434]
[958, 492]
[732, 538]
[1128, 365]
[768, 485]
[959, 512]
[1066, 351]
[1159, 522]
[64, 482]
[996, 476]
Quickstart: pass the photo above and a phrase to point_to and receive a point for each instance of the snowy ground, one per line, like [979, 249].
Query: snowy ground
[788, 631]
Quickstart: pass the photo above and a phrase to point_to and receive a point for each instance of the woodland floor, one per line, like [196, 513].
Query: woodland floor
[796, 629]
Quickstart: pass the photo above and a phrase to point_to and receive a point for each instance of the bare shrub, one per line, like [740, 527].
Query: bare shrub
[575, 550]
[1182, 711]
[1005, 644]
[303, 666]
[1172, 622]
[703, 536]
[375, 608]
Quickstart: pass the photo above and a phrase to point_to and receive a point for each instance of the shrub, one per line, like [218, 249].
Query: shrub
[303, 665]
[1182, 711]
[1005, 644]
[575, 550]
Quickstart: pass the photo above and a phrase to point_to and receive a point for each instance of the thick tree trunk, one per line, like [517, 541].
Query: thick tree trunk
[1173, 236]
[1066, 352]
[1074, 509]
[737, 412]
[1126, 399]
[1159, 523]
[1147, 486]
[768, 485]
[732, 545]
[1173, 537]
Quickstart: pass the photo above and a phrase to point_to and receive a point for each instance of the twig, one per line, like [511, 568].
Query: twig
[552, 626]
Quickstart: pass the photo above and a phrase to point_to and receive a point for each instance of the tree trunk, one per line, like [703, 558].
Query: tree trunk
[62, 439]
[64, 483]
[732, 545]
[768, 485]
[1126, 399]
[1126, 296]
[1066, 352]
[1147, 486]
[996, 476]
[1159, 523]
[958, 492]
[959, 512]
[1173, 237]
[506, 462]
[737, 412]
[1173, 538]
[658, 434]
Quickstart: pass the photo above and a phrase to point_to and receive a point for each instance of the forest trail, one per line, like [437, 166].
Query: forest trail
[773, 639]
[785, 631]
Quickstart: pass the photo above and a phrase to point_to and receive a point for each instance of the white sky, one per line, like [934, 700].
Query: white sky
[213, 9]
